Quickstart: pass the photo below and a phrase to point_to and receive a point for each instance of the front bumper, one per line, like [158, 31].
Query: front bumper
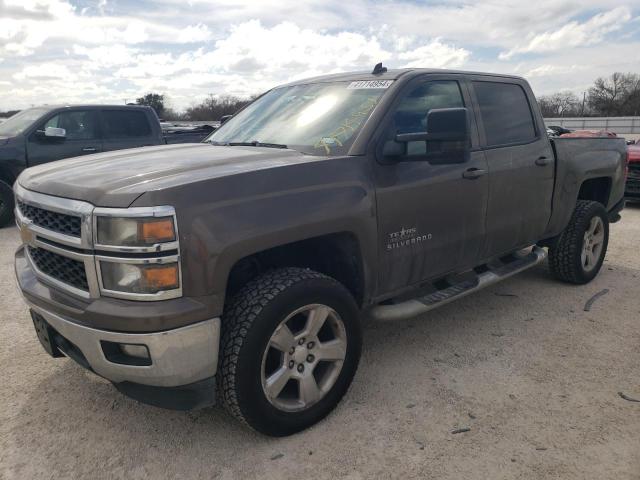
[178, 357]
[182, 360]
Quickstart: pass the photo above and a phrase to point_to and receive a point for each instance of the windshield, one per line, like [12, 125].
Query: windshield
[316, 119]
[20, 121]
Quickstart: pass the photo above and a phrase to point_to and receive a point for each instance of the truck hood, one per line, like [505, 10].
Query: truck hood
[116, 179]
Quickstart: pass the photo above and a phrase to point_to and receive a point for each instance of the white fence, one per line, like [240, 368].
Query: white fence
[619, 125]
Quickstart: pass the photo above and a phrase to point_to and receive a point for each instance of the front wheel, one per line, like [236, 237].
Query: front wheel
[579, 251]
[290, 348]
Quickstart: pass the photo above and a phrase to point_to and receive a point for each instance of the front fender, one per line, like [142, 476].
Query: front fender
[226, 219]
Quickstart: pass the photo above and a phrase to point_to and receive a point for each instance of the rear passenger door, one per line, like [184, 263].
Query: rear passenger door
[520, 161]
[126, 128]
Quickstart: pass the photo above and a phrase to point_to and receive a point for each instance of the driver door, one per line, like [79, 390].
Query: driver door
[431, 210]
[82, 137]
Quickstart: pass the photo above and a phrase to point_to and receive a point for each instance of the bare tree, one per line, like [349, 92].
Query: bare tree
[213, 107]
[617, 95]
[560, 104]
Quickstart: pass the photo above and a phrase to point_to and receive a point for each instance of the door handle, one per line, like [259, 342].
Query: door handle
[542, 161]
[473, 173]
[89, 149]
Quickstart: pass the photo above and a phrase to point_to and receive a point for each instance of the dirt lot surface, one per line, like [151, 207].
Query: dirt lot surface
[532, 375]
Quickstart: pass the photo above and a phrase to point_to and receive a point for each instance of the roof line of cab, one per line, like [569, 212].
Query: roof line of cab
[392, 74]
[90, 105]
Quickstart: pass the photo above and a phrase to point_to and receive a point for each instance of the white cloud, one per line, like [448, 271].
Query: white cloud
[194, 34]
[106, 56]
[435, 55]
[547, 70]
[575, 34]
[45, 71]
[116, 50]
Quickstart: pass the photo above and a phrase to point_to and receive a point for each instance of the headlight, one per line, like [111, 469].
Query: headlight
[135, 231]
[146, 266]
[140, 278]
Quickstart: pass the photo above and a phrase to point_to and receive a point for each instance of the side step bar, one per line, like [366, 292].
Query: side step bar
[418, 306]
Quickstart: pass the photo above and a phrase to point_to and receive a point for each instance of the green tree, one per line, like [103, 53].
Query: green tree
[154, 100]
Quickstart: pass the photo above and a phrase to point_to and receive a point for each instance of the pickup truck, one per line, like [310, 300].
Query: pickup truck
[44, 134]
[240, 270]
[632, 190]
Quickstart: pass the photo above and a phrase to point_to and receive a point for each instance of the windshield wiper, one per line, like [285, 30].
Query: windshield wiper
[256, 143]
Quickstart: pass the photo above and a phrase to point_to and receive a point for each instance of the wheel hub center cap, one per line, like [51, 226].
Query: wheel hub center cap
[300, 354]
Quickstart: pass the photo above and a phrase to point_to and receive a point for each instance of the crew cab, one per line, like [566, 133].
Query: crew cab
[241, 270]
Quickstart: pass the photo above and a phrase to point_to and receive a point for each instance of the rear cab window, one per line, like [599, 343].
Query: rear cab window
[125, 124]
[505, 112]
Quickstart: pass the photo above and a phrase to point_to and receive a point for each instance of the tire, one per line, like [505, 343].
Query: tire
[567, 254]
[252, 351]
[7, 204]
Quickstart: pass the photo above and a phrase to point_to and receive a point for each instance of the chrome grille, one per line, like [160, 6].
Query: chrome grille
[59, 267]
[57, 222]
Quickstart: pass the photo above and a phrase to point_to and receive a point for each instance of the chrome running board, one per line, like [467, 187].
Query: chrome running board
[420, 305]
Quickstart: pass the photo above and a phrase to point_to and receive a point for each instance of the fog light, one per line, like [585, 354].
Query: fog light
[126, 353]
[139, 351]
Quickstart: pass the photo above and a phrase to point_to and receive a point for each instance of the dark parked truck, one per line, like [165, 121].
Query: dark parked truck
[240, 268]
[44, 134]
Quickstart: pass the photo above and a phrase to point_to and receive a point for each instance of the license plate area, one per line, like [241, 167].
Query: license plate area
[45, 334]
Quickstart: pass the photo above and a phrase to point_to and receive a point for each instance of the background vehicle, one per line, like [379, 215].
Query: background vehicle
[44, 134]
[185, 132]
[558, 130]
[589, 133]
[632, 190]
[245, 264]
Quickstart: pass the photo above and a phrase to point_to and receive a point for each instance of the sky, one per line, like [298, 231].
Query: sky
[112, 51]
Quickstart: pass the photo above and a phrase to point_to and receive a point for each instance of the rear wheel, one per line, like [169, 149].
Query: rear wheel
[6, 204]
[290, 348]
[579, 251]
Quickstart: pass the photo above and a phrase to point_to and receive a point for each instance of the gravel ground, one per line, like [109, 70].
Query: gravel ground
[532, 375]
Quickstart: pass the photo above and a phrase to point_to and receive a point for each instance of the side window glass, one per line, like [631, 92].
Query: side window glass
[411, 113]
[79, 125]
[125, 124]
[506, 114]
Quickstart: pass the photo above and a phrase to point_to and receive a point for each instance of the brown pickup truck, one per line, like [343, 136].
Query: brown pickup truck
[242, 269]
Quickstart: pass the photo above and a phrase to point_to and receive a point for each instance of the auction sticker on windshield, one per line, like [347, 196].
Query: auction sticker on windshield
[369, 84]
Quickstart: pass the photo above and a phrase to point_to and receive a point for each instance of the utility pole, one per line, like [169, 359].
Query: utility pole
[584, 98]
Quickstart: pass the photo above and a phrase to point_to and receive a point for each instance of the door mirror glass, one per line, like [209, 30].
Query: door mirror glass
[54, 132]
[446, 139]
[429, 123]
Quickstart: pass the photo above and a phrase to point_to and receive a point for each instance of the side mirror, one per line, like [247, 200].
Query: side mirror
[448, 124]
[447, 130]
[53, 132]
[224, 118]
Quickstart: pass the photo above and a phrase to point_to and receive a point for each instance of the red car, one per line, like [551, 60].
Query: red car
[632, 190]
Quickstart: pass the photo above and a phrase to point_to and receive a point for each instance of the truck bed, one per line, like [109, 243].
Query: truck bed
[581, 159]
